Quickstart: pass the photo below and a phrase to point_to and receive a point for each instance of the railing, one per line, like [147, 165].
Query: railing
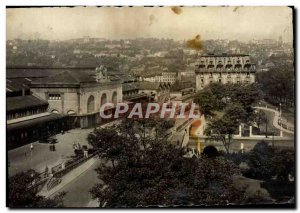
[73, 165]
[286, 125]
[57, 176]
[39, 184]
[53, 182]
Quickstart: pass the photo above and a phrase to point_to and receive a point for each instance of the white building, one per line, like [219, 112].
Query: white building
[167, 77]
[224, 68]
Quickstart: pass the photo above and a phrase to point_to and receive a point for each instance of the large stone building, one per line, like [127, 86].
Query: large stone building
[224, 68]
[78, 94]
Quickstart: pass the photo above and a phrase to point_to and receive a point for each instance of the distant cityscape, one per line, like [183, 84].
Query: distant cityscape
[62, 151]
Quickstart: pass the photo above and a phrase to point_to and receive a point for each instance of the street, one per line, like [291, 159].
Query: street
[22, 158]
[78, 190]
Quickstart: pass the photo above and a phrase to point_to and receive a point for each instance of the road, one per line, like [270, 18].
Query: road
[22, 158]
[276, 117]
[78, 190]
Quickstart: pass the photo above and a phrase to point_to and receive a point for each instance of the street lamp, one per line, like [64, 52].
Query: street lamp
[280, 111]
[280, 118]
[31, 149]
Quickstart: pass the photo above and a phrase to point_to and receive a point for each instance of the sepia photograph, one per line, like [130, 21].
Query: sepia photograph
[146, 107]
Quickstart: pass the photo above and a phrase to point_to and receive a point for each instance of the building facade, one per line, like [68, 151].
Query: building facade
[79, 95]
[167, 77]
[27, 120]
[157, 92]
[224, 69]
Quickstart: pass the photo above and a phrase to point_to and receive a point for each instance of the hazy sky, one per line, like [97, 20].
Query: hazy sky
[241, 23]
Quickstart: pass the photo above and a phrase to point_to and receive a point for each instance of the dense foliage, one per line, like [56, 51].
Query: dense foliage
[147, 170]
[266, 162]
[23, 193]
[234, 101]
[278, 85]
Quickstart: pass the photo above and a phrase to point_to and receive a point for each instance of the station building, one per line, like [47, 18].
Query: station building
[78, 94]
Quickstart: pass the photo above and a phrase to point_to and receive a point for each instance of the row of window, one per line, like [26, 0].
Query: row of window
[54, 97]
[228, 81]
[25, 113]
[228, 61]
[130, 93]
[227, 67]
[220, 75]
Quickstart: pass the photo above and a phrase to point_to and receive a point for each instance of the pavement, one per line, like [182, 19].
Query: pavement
[22, 158]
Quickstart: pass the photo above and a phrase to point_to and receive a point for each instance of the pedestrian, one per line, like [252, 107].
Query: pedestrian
[31, 147]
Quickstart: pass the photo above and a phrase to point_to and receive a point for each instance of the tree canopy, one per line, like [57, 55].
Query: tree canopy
[150, 171]
[278, 85]
[223, 128]
[235, 101]
[216, 97]
[23, 192]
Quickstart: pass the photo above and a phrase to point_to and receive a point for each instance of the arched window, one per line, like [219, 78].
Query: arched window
[114, 98]
[54, 111]
[103, 99]
[91, 104]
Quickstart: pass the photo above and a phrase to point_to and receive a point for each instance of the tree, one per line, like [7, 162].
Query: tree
[151, 171]
[217, 97]
[283, 162]
[222, 129]
[206, 102]
[278, 85]
[274, 166]
[260, 161]
[244, 94]
[265, 161]
[262, 118]
[108, 143]
[22, 192]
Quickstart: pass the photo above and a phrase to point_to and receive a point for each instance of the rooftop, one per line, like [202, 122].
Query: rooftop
[144, 85]
[34, 121]
[15, 85]
[23, 102]
[67, 77]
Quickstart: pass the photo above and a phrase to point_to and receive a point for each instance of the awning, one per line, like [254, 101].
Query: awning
[33, 122]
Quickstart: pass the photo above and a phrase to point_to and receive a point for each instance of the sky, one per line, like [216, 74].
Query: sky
[61, 23]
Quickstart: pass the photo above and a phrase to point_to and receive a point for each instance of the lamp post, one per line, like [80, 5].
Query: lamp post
[280, 111]
[31, 150]
[280, 119]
